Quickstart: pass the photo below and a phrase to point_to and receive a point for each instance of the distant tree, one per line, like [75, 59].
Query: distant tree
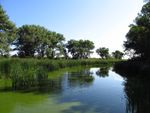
[80, 49]
[7, 32]
[55, 45]
[138, 37]
[117, 54]
[34, 39]
[103, 52]
[72, 48]
[85, 47]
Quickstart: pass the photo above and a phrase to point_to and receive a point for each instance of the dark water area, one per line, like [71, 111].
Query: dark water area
[75, 90]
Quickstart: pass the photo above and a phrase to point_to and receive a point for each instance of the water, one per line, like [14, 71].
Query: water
[76, 90]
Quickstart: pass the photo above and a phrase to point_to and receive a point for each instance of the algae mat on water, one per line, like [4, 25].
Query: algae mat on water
[32, 103]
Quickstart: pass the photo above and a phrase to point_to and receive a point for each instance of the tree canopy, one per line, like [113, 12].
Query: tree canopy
[103, 52]
[117, 54]
[36, 40]
[7, 32]
[80, 48]
[138, 37]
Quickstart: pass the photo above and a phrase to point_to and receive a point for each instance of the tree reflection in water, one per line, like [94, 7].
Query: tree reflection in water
[137, 94]
[80, 78]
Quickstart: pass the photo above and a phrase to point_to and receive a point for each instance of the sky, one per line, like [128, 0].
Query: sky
[105, 22]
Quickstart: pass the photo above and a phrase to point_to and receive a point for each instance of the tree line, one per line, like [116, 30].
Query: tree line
[37, 41]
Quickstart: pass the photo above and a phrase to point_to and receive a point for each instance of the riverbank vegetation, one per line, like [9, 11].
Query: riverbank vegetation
[14, 65]
[38, 51]
[30, 74]
[138, 44]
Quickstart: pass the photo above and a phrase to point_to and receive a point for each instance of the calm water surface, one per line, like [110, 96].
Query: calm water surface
[77, 90]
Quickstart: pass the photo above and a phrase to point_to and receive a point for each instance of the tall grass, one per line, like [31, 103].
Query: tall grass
[9, 67]
[33, 73]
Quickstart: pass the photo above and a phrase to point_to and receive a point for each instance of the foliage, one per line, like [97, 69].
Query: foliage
[29, 74]
[7, 32]
[36, 40]
[103, 52]
[80, 49]
[138, 36]
[117, 54]
[29, 37]
[13, 65]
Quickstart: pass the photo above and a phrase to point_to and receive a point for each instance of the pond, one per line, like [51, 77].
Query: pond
[75, 90]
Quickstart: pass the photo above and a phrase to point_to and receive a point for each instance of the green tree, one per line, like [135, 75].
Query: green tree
[138, 39]
[7, 32]
[30, 38]
[103, 52]
[80, 49]
[117, 54]
[36, 40]
[72, 48]
[55, 45]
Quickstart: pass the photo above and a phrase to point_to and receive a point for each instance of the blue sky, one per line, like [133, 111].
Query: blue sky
[105, 22]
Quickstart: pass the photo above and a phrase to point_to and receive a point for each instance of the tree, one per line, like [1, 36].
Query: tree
[85, 47]
[138, 36]
[36, 40]
[80, 49]
[117, 54]
[103, 52]
[30, 38]
[72, 48]
[7, 32]
[55, 45]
